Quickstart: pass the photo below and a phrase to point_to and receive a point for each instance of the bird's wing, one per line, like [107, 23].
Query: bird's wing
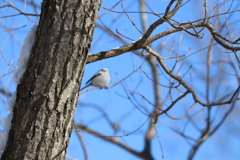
[97, 74]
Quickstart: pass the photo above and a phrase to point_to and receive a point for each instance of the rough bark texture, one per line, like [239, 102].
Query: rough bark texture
[47, 95]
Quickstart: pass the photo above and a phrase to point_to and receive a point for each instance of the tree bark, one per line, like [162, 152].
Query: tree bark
[48, 92]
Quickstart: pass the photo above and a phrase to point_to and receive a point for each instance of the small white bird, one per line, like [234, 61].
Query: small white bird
[99, 79]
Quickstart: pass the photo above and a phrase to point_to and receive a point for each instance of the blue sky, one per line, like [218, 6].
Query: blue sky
[222, 145]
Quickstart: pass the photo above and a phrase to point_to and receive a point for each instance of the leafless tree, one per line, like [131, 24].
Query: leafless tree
[194, 72]
[48, 91]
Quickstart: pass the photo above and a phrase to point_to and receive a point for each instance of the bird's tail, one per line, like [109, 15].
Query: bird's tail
[84, 87]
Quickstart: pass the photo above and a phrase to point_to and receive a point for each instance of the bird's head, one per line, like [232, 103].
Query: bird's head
[104, 70]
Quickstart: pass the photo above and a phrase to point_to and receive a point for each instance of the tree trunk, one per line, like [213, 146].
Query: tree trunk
[48, 92]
